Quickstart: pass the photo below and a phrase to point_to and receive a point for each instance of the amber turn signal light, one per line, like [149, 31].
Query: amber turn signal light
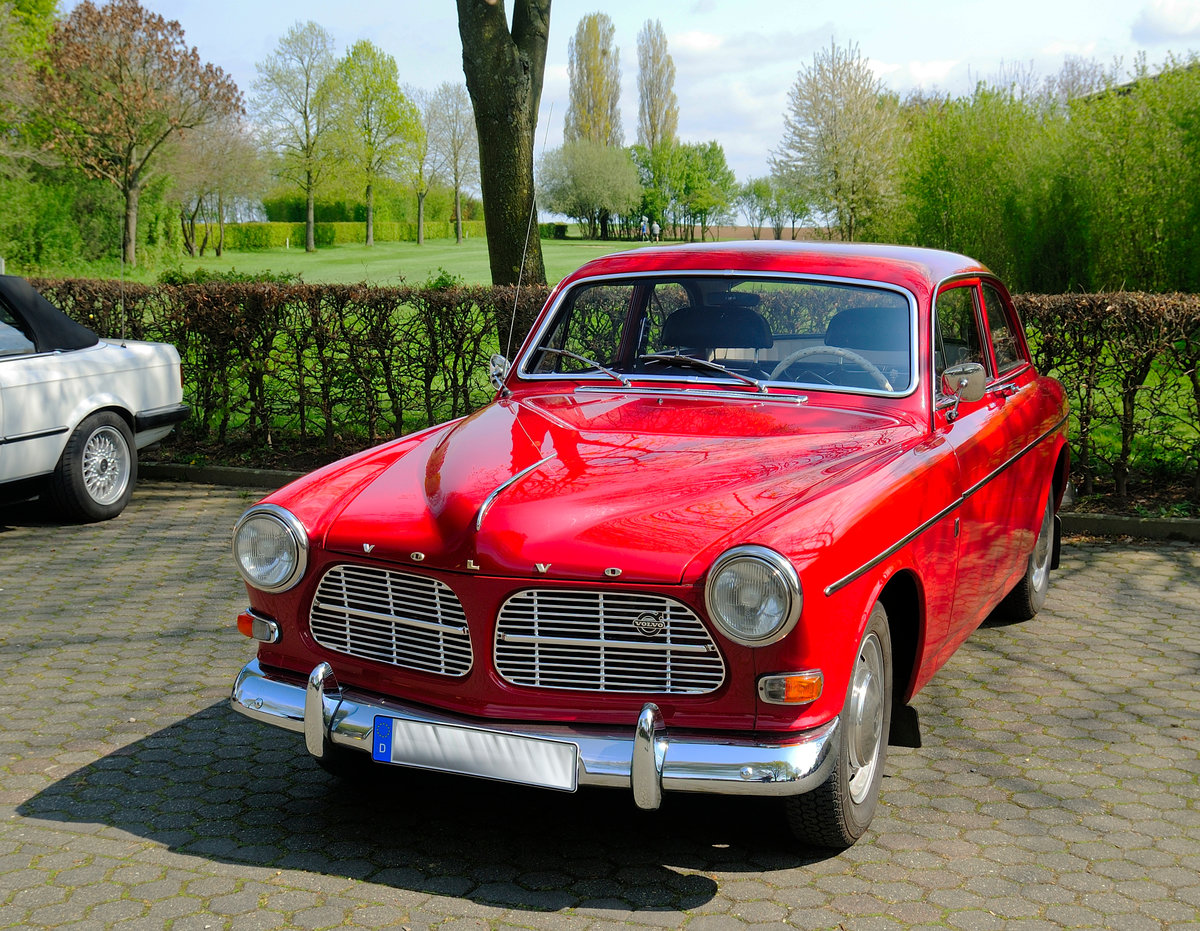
[791, 688]
[257, 627]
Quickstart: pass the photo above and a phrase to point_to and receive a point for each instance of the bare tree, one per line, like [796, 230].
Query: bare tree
[658, 107]
[594, 67]
[425, 162]
[453, 135]
[16, 90]
[378, 124]
[121, 82]
[504, 71]
[839, 144]
[295, 102]
[214, 168]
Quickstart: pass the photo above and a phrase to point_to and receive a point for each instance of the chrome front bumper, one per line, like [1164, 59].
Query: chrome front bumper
[643, 758]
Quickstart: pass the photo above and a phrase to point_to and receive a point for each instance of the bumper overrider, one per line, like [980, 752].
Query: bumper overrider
[643, 757]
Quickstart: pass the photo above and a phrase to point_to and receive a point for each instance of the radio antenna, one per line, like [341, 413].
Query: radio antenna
[512, 323]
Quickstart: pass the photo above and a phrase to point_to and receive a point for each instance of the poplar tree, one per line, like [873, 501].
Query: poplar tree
[594, 68]
[658, 107]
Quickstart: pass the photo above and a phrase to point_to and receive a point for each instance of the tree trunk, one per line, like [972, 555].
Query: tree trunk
[220, 246]
[370, 214]
[129, 240]
[504, 77]
[421, 195]
[457, 215]
[310, 238]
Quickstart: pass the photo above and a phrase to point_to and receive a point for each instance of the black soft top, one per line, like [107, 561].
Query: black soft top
[47, 326]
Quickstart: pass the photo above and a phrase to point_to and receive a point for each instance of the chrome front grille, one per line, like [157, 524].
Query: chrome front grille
[605, 642]
[404, 620]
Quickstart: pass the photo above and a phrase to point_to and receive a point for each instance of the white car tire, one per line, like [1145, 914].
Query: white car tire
[96, 473]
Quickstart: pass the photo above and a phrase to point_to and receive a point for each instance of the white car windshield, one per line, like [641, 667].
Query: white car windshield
[837, 336]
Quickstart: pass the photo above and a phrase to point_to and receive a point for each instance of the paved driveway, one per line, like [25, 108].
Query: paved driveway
[1058, 786]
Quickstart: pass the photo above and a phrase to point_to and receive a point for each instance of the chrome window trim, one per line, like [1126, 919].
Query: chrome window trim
[781, 564]
[293, 526]
[915, 379]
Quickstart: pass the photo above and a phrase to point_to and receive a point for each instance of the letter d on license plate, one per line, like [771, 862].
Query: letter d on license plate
[469, 751]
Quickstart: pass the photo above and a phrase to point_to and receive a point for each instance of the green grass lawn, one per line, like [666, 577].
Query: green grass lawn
[389, 263]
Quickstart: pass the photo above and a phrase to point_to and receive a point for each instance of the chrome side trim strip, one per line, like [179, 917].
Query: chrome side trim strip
[490, 499]
[949, 509]
[775, 765]
[40, 435]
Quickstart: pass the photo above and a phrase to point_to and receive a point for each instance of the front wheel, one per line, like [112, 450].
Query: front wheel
[837, 812]
[96, 473]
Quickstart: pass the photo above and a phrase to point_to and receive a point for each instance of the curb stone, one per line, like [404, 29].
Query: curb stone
[1100, 525]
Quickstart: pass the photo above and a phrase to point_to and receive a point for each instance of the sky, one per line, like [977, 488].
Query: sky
[735, 60]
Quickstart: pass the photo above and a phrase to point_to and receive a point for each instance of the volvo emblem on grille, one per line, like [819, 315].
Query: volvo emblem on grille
[649, 624]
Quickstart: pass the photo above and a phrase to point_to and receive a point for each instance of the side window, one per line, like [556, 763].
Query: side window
[1005, 346]
[956, 331]
[13, 339]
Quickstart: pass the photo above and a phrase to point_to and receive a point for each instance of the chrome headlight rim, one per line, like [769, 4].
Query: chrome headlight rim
[787, 575]
[295, 531]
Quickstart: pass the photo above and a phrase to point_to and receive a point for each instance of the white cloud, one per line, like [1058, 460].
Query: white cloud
[931, 73]
[1167, 20]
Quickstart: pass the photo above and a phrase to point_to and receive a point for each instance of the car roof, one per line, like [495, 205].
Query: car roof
[48, 327]
[910, 266]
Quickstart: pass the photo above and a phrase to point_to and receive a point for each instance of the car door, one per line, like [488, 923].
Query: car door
[987, 447]
[14, 346]
[33, 403]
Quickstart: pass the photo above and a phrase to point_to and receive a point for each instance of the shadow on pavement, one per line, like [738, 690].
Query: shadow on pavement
[219, 786]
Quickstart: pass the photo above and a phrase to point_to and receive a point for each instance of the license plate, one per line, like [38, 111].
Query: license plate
[468, 751]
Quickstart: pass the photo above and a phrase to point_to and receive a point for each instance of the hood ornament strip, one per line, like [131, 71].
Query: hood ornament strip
[490, 499]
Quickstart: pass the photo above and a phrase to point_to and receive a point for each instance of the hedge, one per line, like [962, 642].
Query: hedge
[255, 237]
[354, 364]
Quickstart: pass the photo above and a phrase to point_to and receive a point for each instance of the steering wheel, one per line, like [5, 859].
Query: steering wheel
[865, 364]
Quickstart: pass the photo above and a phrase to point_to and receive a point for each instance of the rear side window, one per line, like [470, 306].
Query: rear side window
[1005, 346]
[13, 338]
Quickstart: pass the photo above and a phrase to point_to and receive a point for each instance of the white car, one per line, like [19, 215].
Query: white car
[74, 408]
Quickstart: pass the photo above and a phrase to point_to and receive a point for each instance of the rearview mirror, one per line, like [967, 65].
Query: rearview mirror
[497, 371]
[966, 381]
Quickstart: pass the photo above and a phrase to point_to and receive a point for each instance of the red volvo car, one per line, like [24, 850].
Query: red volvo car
[731, 508]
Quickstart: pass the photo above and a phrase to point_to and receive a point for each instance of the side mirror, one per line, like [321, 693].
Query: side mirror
[497, 371]
[966, 381]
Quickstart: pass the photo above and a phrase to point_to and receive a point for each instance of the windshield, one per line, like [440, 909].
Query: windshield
[761, 331]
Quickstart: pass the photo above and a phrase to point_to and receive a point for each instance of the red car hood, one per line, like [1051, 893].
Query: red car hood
[572, 485]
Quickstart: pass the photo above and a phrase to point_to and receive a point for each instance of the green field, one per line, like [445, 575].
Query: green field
[390, 263]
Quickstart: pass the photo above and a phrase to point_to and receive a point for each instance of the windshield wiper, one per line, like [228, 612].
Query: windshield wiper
[586, 361]
[672, 358]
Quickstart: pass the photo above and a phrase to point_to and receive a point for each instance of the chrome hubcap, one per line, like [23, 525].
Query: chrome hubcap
[864, 735]
[105, 465]
[1040, 560]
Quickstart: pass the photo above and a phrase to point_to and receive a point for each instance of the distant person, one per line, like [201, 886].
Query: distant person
[655, 229]
[645, 230]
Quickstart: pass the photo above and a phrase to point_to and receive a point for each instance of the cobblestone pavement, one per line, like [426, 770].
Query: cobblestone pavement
[1057, 787]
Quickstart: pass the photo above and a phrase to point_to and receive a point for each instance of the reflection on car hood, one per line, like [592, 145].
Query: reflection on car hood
[601, 482]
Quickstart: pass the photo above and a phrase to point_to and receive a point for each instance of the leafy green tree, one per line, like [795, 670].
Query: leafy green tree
[839, 139]
[120, 83]
[212, 169]
[452, 132]
[755, 201]
[589, 182]
[594, 68]
[658, 107]
[504, 70]
[296, 103]
[703, 187]
[377, 124]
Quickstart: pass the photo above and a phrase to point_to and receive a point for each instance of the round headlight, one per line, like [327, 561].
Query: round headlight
[271, 548]
[754, 595]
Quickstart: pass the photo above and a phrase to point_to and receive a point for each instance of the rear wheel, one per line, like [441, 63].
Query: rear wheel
[1029, 595]
[837, 812]
[96, 473]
